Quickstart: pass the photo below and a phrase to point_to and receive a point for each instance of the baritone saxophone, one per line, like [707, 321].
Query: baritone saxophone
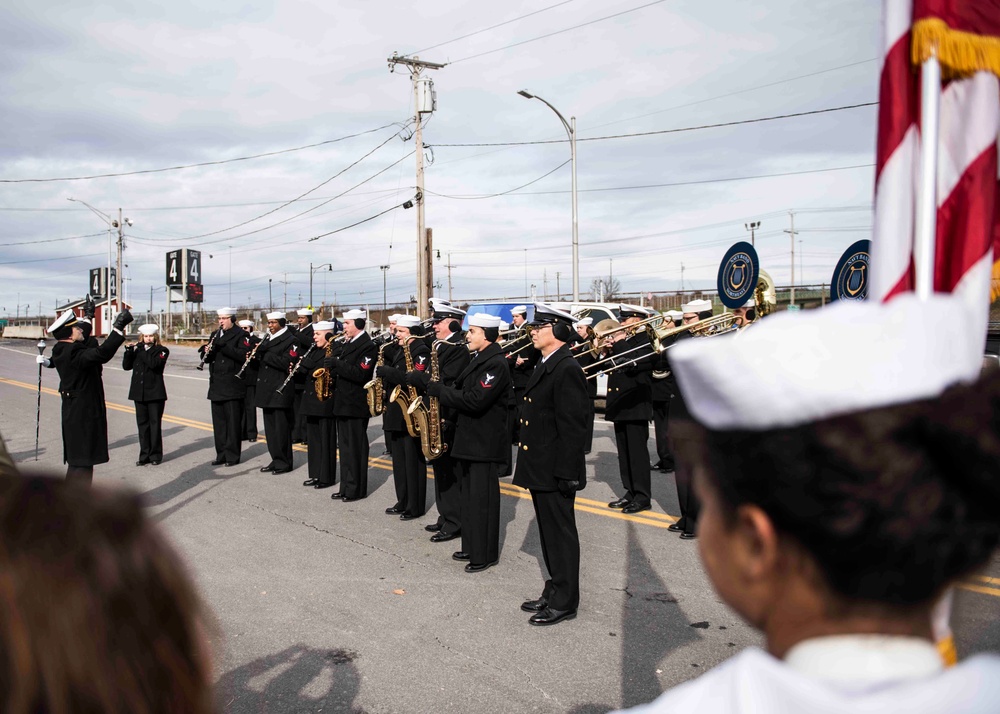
[374, 389]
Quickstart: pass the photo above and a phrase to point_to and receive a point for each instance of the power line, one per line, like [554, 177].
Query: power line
[52, 240]
[487, 29]
[504, 193]
[61, 257]
[370, 218]
[665, 131]
[205, 163]
[557, 32]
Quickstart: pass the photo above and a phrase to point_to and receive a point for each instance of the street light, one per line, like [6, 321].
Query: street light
[570, 128]
[752, 227]
[312, 270]
[120, 225]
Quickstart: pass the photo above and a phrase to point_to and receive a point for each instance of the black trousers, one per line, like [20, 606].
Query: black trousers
[227, 420]
[298, 419]
[322, 456]
[447, 493]
[409, 473]
[633, 459]
[588, 444]
[560, 547]
[480, 511]
[352, 433]
[250, 413]
[661, 417]
[80, 474]
[148, 418]
[686, 498]
[278, 432]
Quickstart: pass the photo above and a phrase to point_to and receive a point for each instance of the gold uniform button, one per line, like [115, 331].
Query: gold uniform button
[525, 447]
[526, 423]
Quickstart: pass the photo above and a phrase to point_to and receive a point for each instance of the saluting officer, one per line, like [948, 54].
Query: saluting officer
[481, 397]
[84, 414]
[452, 358]
[409, 467]
[304, 337]
[321, 425]
[224, 354]
[629, 408]
[353, 365]
[551, 461]
[277, 355]
[250, 380]
[147, 360]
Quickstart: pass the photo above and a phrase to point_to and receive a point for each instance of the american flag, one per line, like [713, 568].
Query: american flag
[965, 37]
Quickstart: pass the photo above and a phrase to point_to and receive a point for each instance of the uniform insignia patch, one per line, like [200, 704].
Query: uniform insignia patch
[421, 363]
[366, 363]
[487, 381]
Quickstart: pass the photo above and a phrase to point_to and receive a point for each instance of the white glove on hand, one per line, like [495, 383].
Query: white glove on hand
[42, 360]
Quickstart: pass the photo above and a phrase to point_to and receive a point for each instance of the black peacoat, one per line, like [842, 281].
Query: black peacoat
[146, 366]
[229, 352]
[395, 374]
[554, 415]
[276, 357]
[481, 397]
[84, 414]
[629, 392]
[354, 365]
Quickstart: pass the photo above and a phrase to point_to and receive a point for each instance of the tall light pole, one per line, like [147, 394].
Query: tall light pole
[383, 268]
[752, 227]
[112, 224]
[312, 271]
[570, 127]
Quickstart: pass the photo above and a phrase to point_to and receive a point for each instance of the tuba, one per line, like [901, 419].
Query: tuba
[428, 418]
[765, 296]
[374, 389]
[322, 380]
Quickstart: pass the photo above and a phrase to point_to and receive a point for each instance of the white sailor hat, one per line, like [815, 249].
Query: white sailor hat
[394, 317]
[696, 306]
[545, 315]
[67, 319]
[504, 325]
[150, 328]
[519, 310]
[626, 311]
[275, 316]
[355, 315]
[484, 320]
[801, 367]
[325, 326]
[226, 311]
[584, 322]
[245, 323]
[674, 315]
[305, 312]
[407, 321]
[748, 303]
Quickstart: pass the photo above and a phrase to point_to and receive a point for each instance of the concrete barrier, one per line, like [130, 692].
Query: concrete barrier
[26, 332]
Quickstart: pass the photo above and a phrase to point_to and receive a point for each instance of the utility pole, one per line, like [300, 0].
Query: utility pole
[424, 102]
[284, 302]
[682, 277]
[449, 266]
[791, 235]
[545, 285]
[383, 268]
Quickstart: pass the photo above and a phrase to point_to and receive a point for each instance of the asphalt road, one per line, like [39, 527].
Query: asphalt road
[327, 606]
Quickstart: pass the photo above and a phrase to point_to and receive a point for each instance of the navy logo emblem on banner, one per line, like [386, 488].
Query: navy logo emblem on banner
[738, 274]
[850, 278]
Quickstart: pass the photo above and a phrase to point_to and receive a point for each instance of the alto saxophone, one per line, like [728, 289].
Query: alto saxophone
[428, 418]
[374, 387]
[405, 396]
[322, 382]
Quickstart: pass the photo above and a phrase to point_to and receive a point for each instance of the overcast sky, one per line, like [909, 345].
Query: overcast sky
[124, 87]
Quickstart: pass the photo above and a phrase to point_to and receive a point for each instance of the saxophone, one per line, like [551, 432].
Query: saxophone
[428, 418]
[374, 387]
[322, 382]
[406, 396]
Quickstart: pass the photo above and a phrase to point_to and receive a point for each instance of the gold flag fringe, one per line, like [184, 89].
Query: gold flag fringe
[961, 53]
[995, 283]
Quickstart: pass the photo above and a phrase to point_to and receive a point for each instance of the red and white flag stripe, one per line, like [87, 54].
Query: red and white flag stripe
[967, 179]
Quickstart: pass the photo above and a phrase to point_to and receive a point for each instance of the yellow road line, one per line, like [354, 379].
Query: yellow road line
[992, 581]
[995, 592]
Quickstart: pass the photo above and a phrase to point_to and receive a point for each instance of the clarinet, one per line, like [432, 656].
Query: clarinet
[204, 354]
[294, 369]
[253, 353]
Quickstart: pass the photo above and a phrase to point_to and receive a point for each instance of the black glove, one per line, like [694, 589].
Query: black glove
[129, 347]
[567, 488]
[434, 389]
[89, 308]
[123, 319]
[418, 380]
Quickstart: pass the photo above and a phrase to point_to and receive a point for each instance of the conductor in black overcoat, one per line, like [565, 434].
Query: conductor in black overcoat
[550, 463]
[147, 360]
[277, 355]
[225, 354]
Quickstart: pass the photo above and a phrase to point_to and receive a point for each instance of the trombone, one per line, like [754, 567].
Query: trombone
[596, 336]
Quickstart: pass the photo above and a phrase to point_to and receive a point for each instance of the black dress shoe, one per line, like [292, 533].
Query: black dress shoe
[345, 499]
[658, 466]
[337, 495]
[155, 462]
[459, 555]
[324, 485]
[228, 463]
[266, 469]
[281, 471]
[470, 568]
[535, 605]
[394, 511]
[432, 527]
[141, 463]
[675, 528]
[404, 516]
[636, 508]
[310, 482]
[620, 503]
[441, 537]
[219, 462]
[688, 536]
[253, 439]
[548, 616]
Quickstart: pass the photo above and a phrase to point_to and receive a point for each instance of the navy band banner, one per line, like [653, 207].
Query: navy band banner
[738, 275]
[850, 277]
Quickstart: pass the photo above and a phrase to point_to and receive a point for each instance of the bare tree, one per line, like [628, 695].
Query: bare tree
[605, 289]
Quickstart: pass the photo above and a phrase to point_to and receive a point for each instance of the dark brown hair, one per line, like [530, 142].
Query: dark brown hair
[97, 613]
[892, 504]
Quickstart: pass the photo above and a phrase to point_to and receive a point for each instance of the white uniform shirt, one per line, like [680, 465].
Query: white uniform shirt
[855, 674]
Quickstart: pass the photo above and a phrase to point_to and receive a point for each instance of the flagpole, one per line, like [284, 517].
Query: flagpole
[925, 235]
